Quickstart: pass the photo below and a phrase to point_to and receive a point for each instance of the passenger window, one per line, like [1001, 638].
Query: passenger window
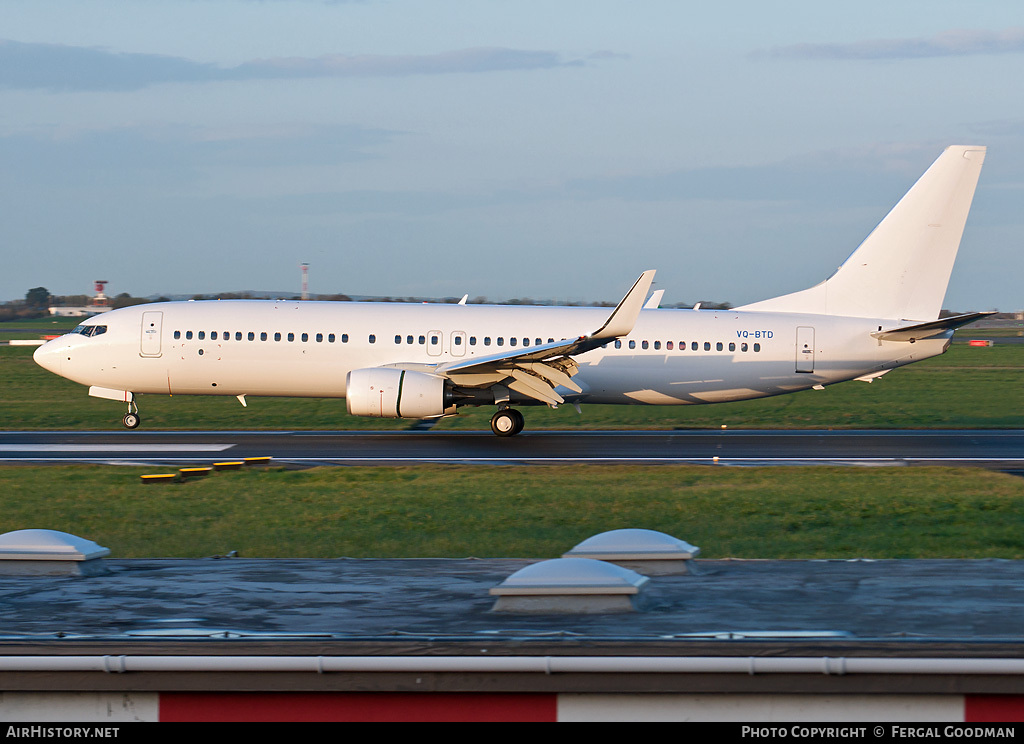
[305, 338]
[238, 335]
[201, 335]
[551, 340]
[668, 345]
[693, 346]
[732, 346]
[757, 347]
[252, 336]
[177, 334]
[472, 340]
[487, 340]
[423, 340]
[537, 342]
[718, 346]
[188, 334]
[501, 340]
[263, 336]
[277, 336]
[373, 338]
[398, 339]
[618, 343]
[512, 341]
[458, 340]
[408, 339]
[344, 338]
[330, 338]
[632, 344]
[213, 335]
[743, 347]
[291, 336]
[226, 335]
[319, 338]
[644, 344]
[707, 346]
[433, 340]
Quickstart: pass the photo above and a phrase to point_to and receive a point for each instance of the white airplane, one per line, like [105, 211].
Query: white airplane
[878, 311]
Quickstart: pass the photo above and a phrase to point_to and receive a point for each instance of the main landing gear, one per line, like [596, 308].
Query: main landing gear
[131, 419]
[507, 422]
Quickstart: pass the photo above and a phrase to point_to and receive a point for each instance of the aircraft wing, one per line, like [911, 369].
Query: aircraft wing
[537, 370]
[928, 330]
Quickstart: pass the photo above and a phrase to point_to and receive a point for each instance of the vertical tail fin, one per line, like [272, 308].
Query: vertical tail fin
[902, 268]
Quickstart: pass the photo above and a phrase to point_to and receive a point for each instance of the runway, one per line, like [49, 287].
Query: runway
[997, 449]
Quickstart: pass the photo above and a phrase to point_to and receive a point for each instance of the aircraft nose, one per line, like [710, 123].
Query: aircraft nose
[48, 356]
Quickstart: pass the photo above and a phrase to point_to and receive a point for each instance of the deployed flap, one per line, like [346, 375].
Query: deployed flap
[928, 330]
[619, 323]
[537, 370]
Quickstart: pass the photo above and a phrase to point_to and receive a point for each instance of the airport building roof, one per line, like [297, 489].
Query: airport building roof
[888, 609]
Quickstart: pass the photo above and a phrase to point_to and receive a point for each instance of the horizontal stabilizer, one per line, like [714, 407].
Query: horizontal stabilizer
[928, 330]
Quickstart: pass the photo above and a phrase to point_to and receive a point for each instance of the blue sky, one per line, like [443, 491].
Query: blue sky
[532, 149]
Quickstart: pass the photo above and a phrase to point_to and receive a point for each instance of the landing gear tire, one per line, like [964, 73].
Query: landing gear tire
[131, 420]
[507, 422]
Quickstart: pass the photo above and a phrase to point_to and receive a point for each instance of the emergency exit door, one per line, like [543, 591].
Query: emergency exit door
[804, 349]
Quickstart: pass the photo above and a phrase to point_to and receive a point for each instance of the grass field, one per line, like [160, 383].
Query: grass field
[967, 387]
[461, 511]
[429, 511]
[36, 328]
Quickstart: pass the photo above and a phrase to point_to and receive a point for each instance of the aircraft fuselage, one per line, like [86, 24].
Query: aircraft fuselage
[306, 349]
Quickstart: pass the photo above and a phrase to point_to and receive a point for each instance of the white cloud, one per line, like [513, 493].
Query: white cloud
[953, 43]
[61, 67]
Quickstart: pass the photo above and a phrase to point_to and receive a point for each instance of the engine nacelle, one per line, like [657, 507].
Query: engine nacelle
[386, 392]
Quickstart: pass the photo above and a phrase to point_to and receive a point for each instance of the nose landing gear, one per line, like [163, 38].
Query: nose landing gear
[131, 419]
[507, 422]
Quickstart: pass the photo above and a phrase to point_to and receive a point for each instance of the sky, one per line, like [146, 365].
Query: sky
[546, 150]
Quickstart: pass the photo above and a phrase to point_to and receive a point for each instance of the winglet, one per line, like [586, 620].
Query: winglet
[624, 316]
[655, 302]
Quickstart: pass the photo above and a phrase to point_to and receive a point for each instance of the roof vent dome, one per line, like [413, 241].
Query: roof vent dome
[49, 553]
[647, 551]
[570, 585]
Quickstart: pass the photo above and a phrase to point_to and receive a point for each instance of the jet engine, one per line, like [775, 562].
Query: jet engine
[386, 392]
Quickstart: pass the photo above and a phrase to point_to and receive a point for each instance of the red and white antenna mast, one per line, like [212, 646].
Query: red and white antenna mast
[100, 299]
[305, 280]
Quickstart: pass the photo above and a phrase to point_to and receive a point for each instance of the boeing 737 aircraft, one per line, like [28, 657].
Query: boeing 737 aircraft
[878, 311]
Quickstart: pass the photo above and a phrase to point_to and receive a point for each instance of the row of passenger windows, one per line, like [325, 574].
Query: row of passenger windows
[694, 345]
[264, 336]
[459, 340]
[433, 338]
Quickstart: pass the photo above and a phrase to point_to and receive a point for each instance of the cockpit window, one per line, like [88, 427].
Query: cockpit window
[90, 330]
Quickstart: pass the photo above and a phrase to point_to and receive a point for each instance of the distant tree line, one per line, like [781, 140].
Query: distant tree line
[38, 301]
